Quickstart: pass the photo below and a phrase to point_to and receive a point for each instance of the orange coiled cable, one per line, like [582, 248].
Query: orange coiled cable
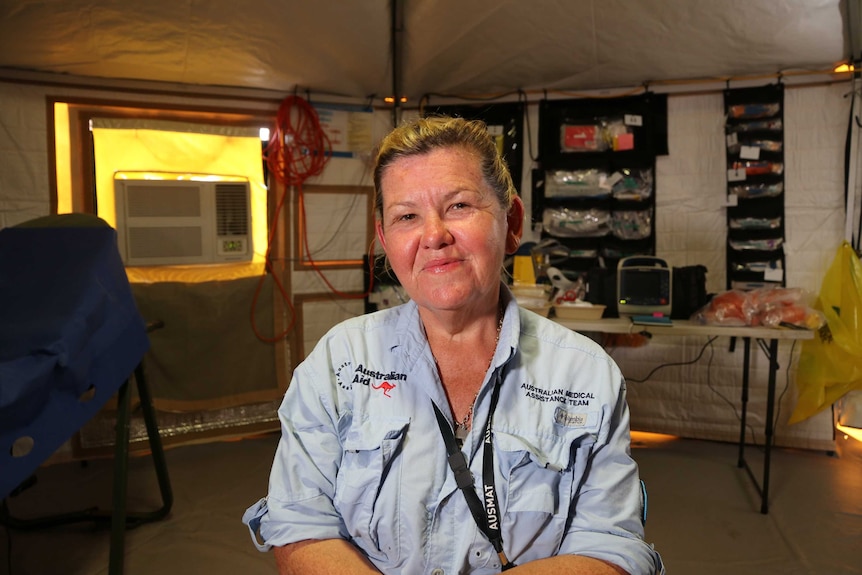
[298, 149]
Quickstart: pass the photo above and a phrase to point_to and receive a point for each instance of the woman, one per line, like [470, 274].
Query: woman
[537, 476]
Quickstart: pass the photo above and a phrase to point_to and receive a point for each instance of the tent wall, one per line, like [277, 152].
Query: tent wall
[691, 229]
[690, 221]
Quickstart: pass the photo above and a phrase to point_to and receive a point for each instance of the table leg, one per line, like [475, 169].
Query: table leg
[770, 408]
[762, 486]
[746, 363]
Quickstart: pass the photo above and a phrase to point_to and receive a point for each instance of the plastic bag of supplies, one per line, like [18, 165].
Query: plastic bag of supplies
[830, 365]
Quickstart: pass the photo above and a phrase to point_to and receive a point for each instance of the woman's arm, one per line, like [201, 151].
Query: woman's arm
[322, 557]
[339, 557]
[568, 565]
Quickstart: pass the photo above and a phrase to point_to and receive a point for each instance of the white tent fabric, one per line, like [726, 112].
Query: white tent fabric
[449, 46]
[340, 48]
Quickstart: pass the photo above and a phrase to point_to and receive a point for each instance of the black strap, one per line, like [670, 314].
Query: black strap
[487, 518]
[463, 477]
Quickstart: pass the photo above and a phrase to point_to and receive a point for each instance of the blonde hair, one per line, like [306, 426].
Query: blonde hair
[424, 135]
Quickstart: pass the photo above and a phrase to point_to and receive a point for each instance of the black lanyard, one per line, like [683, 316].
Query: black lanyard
[487, 514]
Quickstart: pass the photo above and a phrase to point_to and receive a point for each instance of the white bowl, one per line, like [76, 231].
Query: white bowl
[579, 311]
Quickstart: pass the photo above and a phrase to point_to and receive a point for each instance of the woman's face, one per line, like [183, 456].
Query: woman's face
[444, 231]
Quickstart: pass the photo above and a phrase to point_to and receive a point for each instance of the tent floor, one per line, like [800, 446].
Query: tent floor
[704, 512]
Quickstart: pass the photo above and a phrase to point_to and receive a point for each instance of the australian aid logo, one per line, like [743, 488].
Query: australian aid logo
[384, 382]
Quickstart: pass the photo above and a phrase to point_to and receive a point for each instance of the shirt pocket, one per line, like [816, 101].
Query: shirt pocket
[368, 485]
[542, 474]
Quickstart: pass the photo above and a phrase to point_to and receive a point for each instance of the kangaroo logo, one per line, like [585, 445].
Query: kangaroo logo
[386, 387]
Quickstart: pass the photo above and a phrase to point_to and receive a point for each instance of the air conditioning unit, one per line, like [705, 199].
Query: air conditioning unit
[172, 222]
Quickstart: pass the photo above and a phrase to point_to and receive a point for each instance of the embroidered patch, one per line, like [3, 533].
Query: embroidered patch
[567, 419]
[559, 395]
[347, 377]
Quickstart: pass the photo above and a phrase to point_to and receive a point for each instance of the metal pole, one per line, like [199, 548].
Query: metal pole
[397, 46]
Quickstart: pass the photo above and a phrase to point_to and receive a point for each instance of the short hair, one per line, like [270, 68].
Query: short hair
[424, 135]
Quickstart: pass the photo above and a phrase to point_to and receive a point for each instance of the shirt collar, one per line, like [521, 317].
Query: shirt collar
[411, 343]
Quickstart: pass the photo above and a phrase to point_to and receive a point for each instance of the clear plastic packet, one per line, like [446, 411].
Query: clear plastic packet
[759, 168]
[775, 146]
[589, 183]
[631, 225]
[752, 223]
[572, 223]
[772, 125]
[777, 307]
[766, 244]
[596, 136]
[731, 307]
[636, 185]
[759, 266]
[753, 111]
[768, 307]
[757, 190]
[582, 138]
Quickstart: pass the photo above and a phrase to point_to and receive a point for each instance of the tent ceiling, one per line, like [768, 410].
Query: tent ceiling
[449, 46]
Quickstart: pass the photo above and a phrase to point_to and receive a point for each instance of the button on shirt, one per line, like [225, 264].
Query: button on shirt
[361, 457]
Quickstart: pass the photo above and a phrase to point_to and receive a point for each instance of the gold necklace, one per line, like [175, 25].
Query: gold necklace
[462, 428]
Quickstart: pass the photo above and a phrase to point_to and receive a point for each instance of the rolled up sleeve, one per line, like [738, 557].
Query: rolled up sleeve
[607, 521]
[299, 503]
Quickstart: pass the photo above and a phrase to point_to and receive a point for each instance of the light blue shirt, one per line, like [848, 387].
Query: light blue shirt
[361, 456]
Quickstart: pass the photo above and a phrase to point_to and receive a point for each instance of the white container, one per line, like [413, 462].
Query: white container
[579, 311]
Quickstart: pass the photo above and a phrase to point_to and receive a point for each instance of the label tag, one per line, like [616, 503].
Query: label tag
[633, 120]
[732, 200]
[569, 419]
[749, 153]
[736, 174]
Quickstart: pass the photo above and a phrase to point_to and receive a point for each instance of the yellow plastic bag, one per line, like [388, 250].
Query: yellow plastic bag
[830, 365]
